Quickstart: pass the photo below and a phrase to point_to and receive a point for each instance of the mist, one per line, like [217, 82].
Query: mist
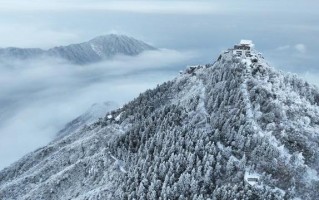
[38, 97]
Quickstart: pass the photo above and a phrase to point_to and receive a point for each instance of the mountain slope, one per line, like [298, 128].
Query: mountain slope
[96, 111]
[20, 53]
[236, 129]
[97, 49]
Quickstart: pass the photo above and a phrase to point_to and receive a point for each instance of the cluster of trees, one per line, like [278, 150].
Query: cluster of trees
[173, 157]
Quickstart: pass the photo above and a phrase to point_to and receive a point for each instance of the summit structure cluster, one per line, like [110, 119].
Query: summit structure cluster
[245, 52]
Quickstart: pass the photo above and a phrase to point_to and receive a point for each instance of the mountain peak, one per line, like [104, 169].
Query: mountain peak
[245, 49]
[106, 46]
[111, 36]
[95, 50]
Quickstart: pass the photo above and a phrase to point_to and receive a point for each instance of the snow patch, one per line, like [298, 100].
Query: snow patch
[118, 164]
[247, 42]
[252, 178]
[246, 61]
[312, 175]
[117, 118]
[96, 50]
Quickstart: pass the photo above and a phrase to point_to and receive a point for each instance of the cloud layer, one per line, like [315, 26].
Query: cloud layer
[37, 98]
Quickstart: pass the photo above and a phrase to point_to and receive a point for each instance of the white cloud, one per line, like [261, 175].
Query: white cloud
[301, 48]
[38, 98]
[282, 48]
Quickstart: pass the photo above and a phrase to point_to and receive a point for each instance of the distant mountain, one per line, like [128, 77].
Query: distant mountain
[96, 111]
[95, 50]
[235, 129]
[20, 53]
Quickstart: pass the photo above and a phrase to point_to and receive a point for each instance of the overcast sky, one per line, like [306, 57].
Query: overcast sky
[279, 28]
[35, 104]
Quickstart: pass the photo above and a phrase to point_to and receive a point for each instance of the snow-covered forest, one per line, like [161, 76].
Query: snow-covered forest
[234, 129]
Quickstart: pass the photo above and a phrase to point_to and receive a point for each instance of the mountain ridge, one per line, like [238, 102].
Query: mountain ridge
[94, 50]
[96, 111]
[235, 129]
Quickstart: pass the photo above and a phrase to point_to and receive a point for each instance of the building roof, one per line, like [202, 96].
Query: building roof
[247, 42]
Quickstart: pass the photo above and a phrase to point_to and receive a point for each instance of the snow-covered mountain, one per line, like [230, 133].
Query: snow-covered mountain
[235, 129]
[96, 111]
[20, 53]
[97, 49]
